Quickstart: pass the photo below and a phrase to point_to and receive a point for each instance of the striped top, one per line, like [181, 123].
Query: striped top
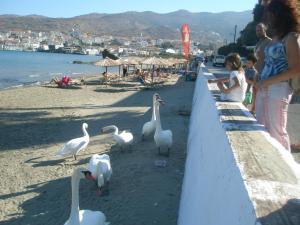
[275, 60]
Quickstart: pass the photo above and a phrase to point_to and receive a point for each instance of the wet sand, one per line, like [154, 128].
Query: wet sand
[35, 123]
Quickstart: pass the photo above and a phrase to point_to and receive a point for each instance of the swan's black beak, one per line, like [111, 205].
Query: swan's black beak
[88, 175]
[161, 101]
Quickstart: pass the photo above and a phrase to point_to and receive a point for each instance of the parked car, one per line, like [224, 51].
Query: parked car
[244, 62]
[219, 60]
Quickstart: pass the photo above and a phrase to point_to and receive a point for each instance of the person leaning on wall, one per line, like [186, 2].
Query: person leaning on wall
[282, 58]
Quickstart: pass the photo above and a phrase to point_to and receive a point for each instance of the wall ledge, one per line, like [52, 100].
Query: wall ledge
[232, 158]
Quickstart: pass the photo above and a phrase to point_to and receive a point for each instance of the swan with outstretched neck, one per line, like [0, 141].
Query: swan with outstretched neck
[82, 217]
[123, 138]
[149, 127]
[76, 145]
[163, 138]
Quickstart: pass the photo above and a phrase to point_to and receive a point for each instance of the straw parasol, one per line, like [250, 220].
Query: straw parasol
[173, 61]
[182, 61]
[107, 62]
[167, 62]
[153, 61]
[129, 61]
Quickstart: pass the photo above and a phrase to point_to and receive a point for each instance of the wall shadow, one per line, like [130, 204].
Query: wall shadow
[36, 130]
[47, 131]
[287, 215]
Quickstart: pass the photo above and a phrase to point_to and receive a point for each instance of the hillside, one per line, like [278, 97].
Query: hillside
[152, 25]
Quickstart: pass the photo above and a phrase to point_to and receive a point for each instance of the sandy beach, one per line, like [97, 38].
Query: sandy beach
[35, 123]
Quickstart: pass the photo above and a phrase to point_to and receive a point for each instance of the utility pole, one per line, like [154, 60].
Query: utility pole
[235, 27]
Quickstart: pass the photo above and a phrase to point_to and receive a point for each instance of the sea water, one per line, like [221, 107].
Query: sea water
[29, 68]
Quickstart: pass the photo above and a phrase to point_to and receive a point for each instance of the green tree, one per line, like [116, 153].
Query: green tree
[248, 34]
[233, 47]
[167, 45]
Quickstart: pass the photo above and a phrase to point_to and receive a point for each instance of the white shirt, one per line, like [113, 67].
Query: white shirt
[237, 94]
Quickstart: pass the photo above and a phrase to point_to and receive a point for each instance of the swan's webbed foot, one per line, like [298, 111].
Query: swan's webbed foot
[103, 191]
[168, 153]
[99, 191]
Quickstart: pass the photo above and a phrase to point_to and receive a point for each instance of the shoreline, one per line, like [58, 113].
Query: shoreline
[41, 83]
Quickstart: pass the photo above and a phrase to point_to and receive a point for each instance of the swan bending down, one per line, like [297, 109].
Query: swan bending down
[82, 217]
[74, 146]
[123, 138]
[162, 138]
[149, 127]
[100, 168]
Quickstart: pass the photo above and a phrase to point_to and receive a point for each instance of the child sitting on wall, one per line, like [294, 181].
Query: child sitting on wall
[236, 91]
[251, 74]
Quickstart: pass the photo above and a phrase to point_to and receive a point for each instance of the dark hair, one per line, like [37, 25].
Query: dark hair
[235, 60]
[285, 16]
[252, 58]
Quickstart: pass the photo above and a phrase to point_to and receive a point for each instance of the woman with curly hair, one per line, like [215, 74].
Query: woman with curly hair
[282, 63]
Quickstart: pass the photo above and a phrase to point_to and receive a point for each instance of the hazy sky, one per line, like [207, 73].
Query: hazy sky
[69, 8]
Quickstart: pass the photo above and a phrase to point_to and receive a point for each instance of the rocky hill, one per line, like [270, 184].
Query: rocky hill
[151, 24]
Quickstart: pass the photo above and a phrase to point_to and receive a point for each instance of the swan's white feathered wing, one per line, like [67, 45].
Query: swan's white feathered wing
[164, 139]
[149, 128]
[126, 136]
[105, 166]
[88, 217]
[73, 146]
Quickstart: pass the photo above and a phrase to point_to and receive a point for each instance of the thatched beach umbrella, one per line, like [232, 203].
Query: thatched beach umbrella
[129, 61]
[167, 62]
[182, 61]
[174, 61]
[107, 62]
[153, 61]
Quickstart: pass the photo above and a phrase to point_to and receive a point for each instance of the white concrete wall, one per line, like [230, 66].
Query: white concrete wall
[213, 191]
[216, 189]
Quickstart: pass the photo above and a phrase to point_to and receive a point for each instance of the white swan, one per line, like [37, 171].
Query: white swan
[162, 138]
[124, 138]
[149, 127]
[100, 168]
[74, 146]
[82, 217]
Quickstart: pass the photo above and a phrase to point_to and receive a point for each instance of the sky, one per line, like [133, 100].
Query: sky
[70, 8]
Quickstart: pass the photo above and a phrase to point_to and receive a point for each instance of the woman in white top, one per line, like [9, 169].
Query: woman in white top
[236, 91]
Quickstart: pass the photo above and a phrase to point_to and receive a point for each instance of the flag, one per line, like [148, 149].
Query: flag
[185, 35]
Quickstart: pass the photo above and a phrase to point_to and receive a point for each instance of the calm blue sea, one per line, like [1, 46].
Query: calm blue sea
[25, 68]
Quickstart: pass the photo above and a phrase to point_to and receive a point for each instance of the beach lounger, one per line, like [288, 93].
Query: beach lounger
[148, 83]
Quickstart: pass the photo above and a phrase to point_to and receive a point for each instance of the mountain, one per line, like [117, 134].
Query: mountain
[151, 24]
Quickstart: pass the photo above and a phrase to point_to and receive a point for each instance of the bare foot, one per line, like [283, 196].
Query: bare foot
[295, 148]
